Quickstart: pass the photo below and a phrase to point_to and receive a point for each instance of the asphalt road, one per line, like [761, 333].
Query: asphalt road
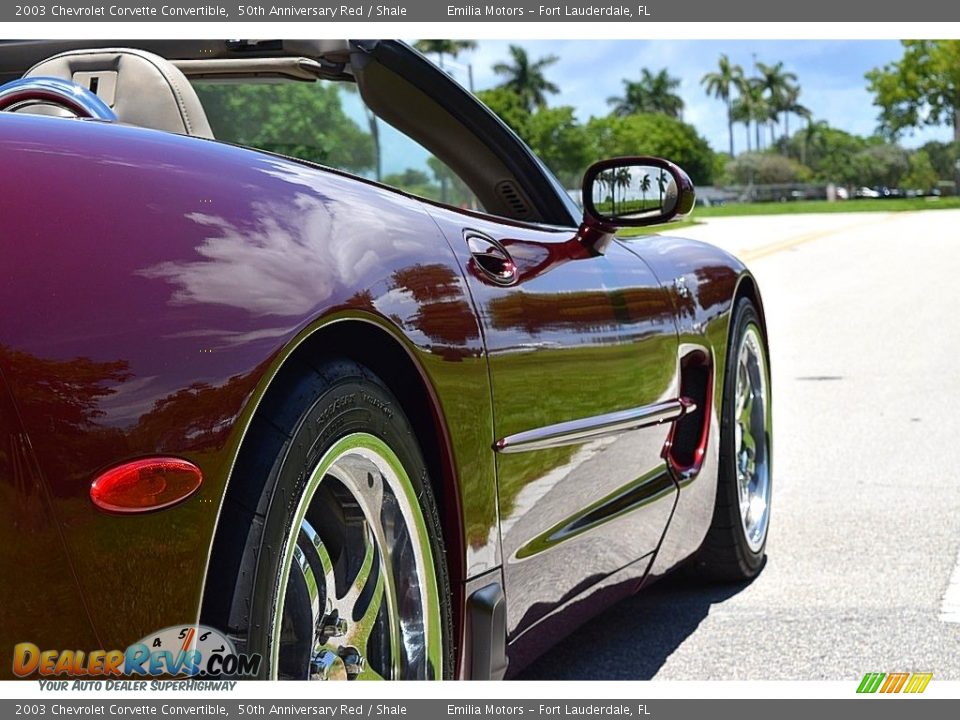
[865, 341]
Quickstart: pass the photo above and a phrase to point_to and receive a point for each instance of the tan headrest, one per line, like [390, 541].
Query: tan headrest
[141, 88]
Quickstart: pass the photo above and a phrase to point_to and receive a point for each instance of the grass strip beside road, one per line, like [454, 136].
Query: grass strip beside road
[801, 207]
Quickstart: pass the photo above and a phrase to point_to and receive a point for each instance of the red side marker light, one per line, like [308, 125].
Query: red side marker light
[145, 485]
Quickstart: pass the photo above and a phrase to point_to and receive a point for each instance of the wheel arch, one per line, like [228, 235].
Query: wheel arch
[374, 343]
[747, 288]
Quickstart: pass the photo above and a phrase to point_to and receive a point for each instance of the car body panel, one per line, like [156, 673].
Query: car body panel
[155, 287]
[169, 318]
[702, 281]
[571, 318]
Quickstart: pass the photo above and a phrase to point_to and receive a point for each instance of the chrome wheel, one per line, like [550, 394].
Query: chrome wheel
[358, 590]
[752, 438]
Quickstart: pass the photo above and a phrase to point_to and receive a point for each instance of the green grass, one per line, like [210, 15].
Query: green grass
[822, 206]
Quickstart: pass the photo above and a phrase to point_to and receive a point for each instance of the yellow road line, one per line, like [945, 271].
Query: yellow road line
[781, 245]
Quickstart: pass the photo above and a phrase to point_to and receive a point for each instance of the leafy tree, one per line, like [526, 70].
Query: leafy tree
[881, 164]
[922, 88]
[509, 106]
[554, 134]
[407, 178]
[943, 157]
[526, 78]
[720, 162]
[721, 84]
[831, 153]
[653, 134]
[766, 168]
[921, 175]
[444, 47]
[453, 190]
[652, 94]
[303, 120]
[561, 142]
[414, 181]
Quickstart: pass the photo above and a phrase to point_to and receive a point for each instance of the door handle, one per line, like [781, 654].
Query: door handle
[490, 260]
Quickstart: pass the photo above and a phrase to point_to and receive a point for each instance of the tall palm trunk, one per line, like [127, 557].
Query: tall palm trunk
[375, 137]
[730, 124]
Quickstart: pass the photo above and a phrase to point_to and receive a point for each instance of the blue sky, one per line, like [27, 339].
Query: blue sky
[830, 73]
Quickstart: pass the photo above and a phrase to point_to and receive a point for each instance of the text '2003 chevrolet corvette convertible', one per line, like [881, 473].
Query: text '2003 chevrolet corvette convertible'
[385, 428]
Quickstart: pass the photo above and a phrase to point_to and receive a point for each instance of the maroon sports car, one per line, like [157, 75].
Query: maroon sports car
[418, 424]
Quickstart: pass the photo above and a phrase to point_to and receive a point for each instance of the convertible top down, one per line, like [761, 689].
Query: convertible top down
[359, 428]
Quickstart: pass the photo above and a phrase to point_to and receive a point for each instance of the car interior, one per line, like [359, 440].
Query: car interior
[151, 84]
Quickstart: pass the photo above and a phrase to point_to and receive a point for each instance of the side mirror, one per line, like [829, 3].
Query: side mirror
[632, 192]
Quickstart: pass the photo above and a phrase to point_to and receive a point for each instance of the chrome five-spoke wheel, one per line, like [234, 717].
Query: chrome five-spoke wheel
[358, 594]
[751, 430]
[735, 546]
[333, 561]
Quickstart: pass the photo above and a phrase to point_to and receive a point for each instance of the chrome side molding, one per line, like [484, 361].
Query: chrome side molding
[598, 426]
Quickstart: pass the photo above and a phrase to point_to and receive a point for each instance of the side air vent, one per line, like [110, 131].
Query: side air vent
[686, 446]
[513, 199]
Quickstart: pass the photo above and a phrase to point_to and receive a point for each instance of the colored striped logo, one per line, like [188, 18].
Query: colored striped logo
[894, 682]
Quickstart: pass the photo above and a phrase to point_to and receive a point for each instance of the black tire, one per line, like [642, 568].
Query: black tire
[294, 428]
[726, 555]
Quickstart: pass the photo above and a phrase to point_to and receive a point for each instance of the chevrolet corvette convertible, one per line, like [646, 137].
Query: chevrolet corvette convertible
[369, 415]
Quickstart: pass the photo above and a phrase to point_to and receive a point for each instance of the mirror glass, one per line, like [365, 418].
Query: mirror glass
[631, 193]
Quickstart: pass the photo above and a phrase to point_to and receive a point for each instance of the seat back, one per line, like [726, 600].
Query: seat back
[140, 87]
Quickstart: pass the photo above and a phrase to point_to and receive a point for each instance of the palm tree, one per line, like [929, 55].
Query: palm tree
[772, 120]
[444, 47]
[621, 179]
[662, 183]
[791, 105]
[778, 84]
[751, 106]
[526, 78]
[742, 114]
[604, 180]
[719, 85]
[644, 187]
[814, 138]
[652, 94]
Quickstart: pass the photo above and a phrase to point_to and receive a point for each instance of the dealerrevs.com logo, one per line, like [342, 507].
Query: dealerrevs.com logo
[894, 682]
[179, 650]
